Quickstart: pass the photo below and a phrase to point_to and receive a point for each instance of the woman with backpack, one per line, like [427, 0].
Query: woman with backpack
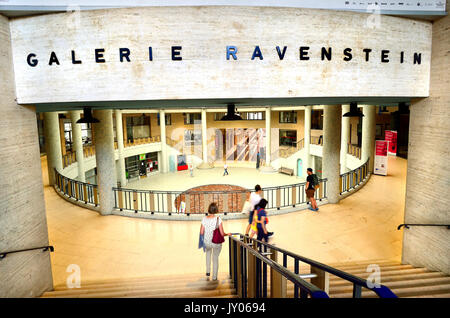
[210, 224]
[311, 185]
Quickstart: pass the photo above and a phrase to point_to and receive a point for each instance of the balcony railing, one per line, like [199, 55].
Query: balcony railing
[317, 140]
[80, 191]
[353, 150]
[196, 202]
[352, 179]
[141, 141]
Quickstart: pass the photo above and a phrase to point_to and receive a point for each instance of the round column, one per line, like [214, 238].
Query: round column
[345, 130]
[104, 156]
[78, 144]
[331, 150]
[162, 124]
[204, 138]
[52, 145]
[368, 135]
[122, 178]
[268, 137]
[307, 140]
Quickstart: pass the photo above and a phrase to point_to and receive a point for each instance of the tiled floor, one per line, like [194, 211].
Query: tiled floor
[360, 227]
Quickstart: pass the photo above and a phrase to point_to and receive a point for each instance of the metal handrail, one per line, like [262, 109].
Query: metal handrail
[382, 291]
[407, 225]
[361, 173]
[44, 249]
[311, 289]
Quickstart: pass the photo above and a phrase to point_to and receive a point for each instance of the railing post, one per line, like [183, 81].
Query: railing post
[231, 255]
[277, 281]
[239, 270]
[322, 280]
[251, 286]
[356, 291]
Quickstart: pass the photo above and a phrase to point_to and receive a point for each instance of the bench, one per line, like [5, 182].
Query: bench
[286, 171]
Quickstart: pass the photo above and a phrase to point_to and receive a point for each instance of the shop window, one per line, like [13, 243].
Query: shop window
[288, 117]
[86, 134]
[191, 118]
[317, 119]
[288, 137]
[168, 120]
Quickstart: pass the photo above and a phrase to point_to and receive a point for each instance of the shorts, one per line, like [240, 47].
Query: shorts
[310, 193]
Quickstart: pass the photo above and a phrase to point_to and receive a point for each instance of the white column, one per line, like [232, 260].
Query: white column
[122, 178]
[368, 135]
[307, 140]
[268, 137]
[345, 130]
[162, 123]
[204, 137]
[52, 145]
[78, 144]
[331, 151]
[104, 155]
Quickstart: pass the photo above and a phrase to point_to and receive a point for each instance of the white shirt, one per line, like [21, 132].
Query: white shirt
[248, 208]
[210, 225]
[254, 199]
[225, 166]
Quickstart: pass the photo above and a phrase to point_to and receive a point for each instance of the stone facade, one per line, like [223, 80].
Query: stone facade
[23, 221]
[203, 33]
[428, 179]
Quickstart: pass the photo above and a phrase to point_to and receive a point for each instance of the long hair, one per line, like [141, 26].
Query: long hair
[213, 208]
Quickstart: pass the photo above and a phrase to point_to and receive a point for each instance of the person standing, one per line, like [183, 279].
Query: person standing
[260, 221]
[209, 224]
[258, 158]
[311, 189]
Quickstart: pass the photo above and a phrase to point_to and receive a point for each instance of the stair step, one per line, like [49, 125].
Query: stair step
[167, 284]
[160, 287]
[364, 275]
[398, 284]
[404, 292]
[172, 278]
[392, 278]
[160, 293]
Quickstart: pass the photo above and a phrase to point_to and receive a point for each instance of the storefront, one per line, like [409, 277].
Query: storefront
[141, 165]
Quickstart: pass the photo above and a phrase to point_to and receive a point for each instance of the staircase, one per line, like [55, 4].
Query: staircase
[403, 280]
[182, 286]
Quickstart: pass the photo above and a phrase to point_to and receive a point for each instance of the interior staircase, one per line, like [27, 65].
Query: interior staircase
[403, 280]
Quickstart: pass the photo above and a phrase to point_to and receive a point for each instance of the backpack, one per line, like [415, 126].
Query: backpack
[316, 181]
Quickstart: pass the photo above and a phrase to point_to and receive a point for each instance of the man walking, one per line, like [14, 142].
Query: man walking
[310, 189]
[258, 158]
[225, 169]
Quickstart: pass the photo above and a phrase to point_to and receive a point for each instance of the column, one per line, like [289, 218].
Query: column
[268, 135]
[307, 140]
[52, 145]
[204, 138]
[331, 150]
[368, 135]
[344, 138]
[104, 156]
[122, 178]
[78, 144]
[162, 123]
[23, 221]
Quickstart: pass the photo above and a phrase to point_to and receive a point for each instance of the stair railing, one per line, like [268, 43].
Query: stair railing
[240, 265]
[409, 224]
[248, 270]
[43, 248]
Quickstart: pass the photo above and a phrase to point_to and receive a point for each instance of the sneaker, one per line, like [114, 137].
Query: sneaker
[269, 233]
[310, 208]
[207, 274]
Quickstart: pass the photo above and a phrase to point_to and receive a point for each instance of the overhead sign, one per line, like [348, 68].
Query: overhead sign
[381, 159]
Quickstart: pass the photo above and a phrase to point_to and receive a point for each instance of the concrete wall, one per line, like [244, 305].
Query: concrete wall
[428, 178]
[204, 33]
[23, 221]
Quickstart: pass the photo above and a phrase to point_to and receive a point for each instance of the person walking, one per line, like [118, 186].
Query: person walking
[311, 189]
[254, 199]
[261, 221]
[210, 223]
[225, 169]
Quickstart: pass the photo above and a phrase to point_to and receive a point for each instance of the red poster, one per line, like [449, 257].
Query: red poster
[381, 148]
[380, 162]
[391, 138]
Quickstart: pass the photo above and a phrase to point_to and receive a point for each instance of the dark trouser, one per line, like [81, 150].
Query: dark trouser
[262, 236]
[225, 172]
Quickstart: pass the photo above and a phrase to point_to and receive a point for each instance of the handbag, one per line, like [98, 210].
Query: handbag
[217, 236]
